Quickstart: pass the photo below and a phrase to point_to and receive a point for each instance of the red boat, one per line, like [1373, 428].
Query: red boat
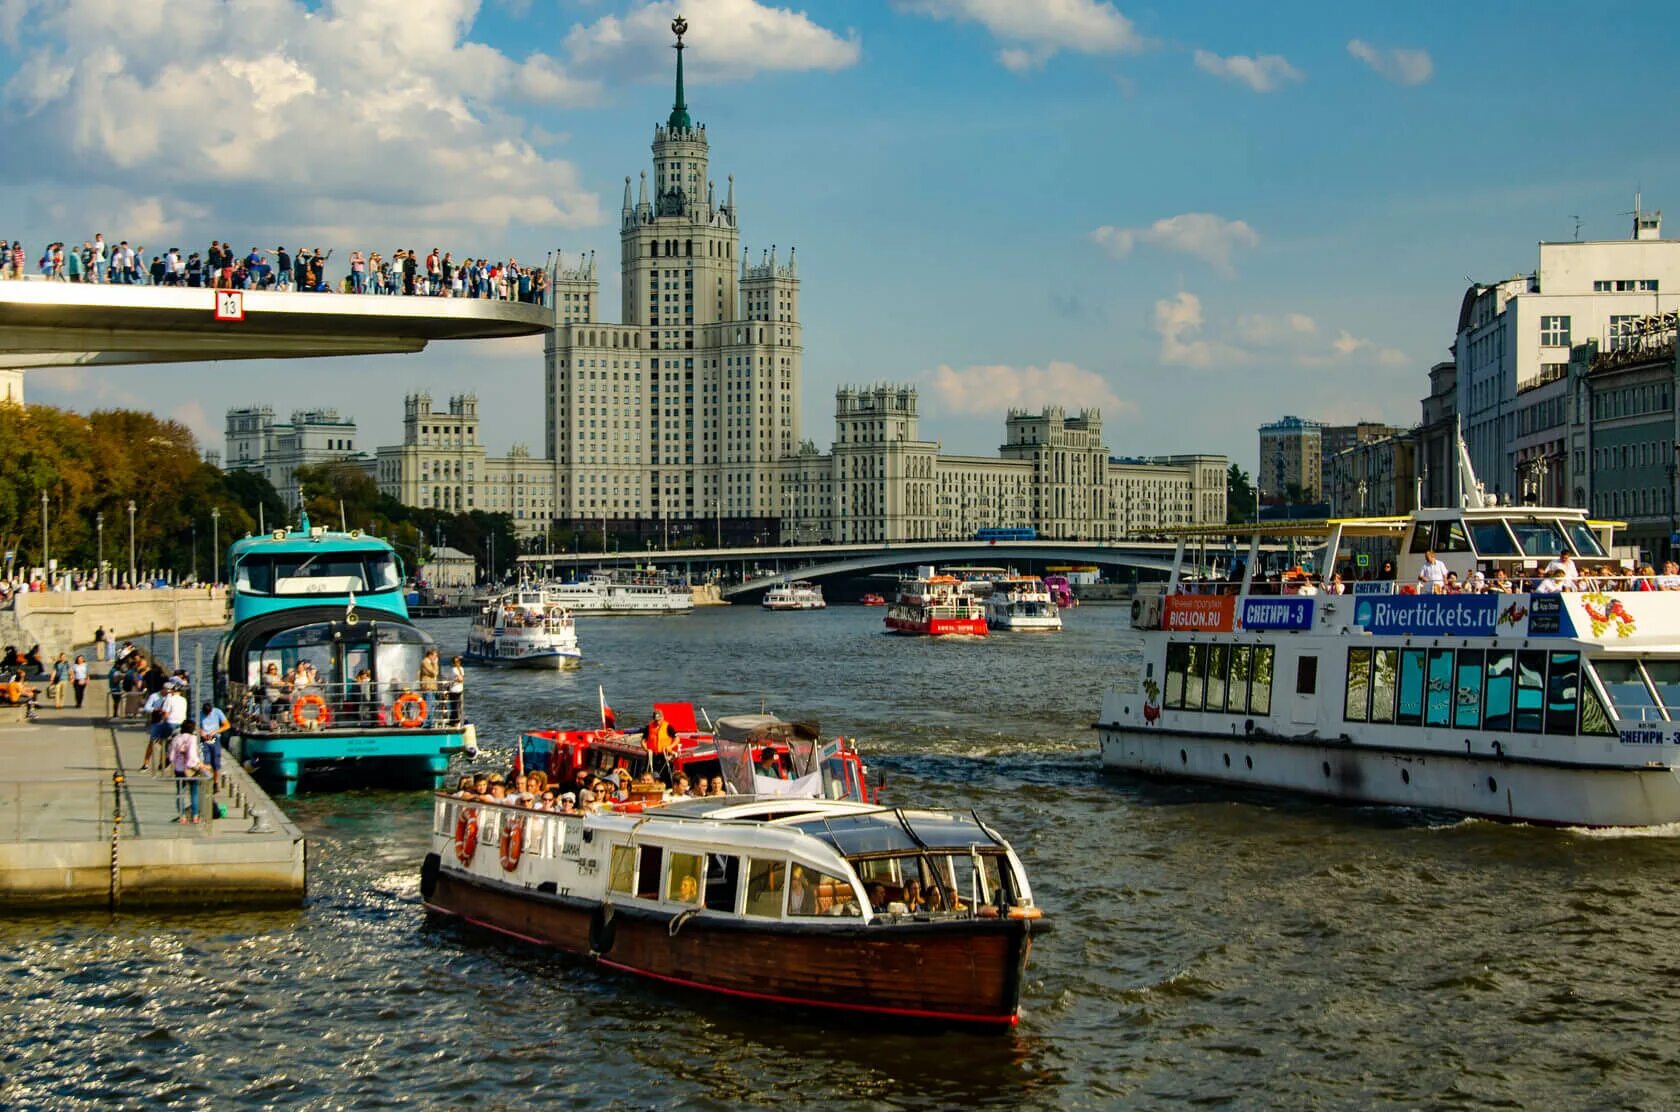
[936, 606]
[872, 599]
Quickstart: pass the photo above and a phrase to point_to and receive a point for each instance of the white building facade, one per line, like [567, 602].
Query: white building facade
[1513, 341]
[255, 441]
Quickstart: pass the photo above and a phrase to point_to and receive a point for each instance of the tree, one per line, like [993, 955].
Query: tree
[1239, 495]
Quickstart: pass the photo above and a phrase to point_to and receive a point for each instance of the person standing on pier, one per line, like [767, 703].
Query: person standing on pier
[79, 678]
[60, 676]
[212, 724]
[184, 759]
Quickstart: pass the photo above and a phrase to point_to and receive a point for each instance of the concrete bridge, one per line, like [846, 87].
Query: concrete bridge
[759, 568]
[55, 324]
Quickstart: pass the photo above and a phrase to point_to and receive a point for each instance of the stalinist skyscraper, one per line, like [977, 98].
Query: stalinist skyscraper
[677, 415]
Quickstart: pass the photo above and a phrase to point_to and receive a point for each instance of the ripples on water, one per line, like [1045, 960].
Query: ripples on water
[1211, 947]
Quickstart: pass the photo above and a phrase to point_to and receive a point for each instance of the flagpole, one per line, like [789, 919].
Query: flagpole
[601, 691]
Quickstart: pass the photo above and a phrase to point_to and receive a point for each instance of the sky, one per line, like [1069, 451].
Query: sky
[1194, 218]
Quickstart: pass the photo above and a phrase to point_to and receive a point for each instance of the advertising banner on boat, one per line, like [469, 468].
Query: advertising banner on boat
[1277, 613]
[1460, 615]
[1199, 613]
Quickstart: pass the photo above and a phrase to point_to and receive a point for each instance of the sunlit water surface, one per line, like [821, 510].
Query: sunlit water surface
[1211, 947]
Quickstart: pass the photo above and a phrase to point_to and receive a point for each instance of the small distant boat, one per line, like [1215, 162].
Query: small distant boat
[522, 628]
[872, 599]
[1022, 604]
[935, 606]
[798, 595]
[622, 591]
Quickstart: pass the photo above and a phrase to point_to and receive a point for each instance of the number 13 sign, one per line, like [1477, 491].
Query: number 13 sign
[230, 304]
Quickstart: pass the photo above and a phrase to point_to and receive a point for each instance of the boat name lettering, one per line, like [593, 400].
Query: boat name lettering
[1466, 614]
[1649, 737]
[1286, 613]
[1200, 613]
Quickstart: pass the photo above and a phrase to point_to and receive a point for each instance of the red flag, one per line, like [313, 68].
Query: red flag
[519, 759]
[608, 718]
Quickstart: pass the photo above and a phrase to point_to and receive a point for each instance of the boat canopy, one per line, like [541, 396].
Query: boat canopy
[873, 833]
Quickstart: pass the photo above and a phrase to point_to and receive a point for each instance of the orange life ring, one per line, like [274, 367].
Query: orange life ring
[321, 718]
[513, 840]
[410, 699]
[466, 835]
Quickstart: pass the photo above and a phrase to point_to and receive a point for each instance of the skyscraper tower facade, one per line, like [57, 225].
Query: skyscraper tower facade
[678, 414]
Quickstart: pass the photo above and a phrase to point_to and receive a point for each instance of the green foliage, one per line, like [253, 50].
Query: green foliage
[99, 463]
[1239, 495]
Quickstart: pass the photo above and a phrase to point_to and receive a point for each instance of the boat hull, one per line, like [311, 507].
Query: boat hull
[411, 755]
[1025, 625]
[957, 974]
[1481, 785]
[937, 627]
[525, 656]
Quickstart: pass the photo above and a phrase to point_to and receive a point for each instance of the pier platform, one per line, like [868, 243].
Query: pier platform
[73, 836]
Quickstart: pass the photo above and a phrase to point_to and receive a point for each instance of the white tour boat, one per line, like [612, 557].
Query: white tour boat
[1022, 603]
[798, 595]
[625, 591]
[523, 628]
[1538, 705]
[831, 904]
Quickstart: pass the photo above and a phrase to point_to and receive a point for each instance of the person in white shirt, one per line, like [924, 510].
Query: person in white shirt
[1550, 584]
[1669, 580]
[1571, 575]
[1432, 576]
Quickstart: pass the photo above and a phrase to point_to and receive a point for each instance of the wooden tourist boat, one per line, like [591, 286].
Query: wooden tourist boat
[809, 903]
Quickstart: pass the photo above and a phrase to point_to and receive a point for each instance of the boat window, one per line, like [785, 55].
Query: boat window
[317, 573]
[1467, 692]
[1665, 677]
[1177, 660]
[682, 885]
[1624, 682]
[1306, 675]
[1437, 704]
[1195, 662]
[1594, 720]
[723, 880]
[835, 897]
[647, 877]
[1539, 538]
[1450, 537]
[1423, 539]
[1260, 685]
[1563, 689]
[621, 874]
[1217, 660]
[1531, 691]
[1236, 691]
[1357, 706]
[766, 883]
[1409, 711]
[1586, 541]
[1492, 538]
[1496, 690]
[1382, 684]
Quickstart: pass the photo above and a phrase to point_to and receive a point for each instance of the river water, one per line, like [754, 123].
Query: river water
[1244, 950]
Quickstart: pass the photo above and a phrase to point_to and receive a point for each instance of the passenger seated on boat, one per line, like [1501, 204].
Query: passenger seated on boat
[718, 787]
[1501, 582]
[913, 900]
[568, 803]
[1452, 585]
[1571, 574]
[1647, 578]
[1669, 580]
[679, 788]
[1551, 584]
[802, 898]
[464, 789]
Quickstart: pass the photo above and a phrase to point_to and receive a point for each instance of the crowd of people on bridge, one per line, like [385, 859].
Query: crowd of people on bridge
[405, 272]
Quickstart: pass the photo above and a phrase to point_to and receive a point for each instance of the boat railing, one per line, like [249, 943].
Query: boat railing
[283, 708]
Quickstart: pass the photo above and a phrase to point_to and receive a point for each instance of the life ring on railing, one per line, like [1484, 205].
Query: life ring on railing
[1019, 912]
[513, 840]
[409, 699]
[466, 835]
[321, 718]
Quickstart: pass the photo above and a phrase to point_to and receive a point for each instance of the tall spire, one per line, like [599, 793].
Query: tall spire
[679, 111]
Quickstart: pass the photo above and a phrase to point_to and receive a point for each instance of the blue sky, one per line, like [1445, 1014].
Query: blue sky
[1197, 218]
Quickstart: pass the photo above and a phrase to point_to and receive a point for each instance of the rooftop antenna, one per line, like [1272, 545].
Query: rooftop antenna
[1577, 220]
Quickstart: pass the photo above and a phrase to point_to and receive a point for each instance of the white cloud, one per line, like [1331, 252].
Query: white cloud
[287, 116]
[985, 390]
[1208, 237]
[1031, 34]
[1398, 64]
[1263, 73]
[733, 40]
[1179, 322]
[1288, 339]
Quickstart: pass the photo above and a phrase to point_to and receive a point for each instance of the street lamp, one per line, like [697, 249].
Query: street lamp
[131, 575]
[46, 563]
[1362, 489]
[194, 576]
[216, 543]
[717, 506]
[99, 522]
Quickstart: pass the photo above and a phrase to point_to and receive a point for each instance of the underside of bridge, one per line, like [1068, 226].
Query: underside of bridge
[55, 324]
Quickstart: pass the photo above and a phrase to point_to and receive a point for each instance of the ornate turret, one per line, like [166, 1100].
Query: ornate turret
[679, 110]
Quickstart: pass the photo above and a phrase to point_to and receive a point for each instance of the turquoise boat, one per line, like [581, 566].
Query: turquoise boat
[320, 670]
